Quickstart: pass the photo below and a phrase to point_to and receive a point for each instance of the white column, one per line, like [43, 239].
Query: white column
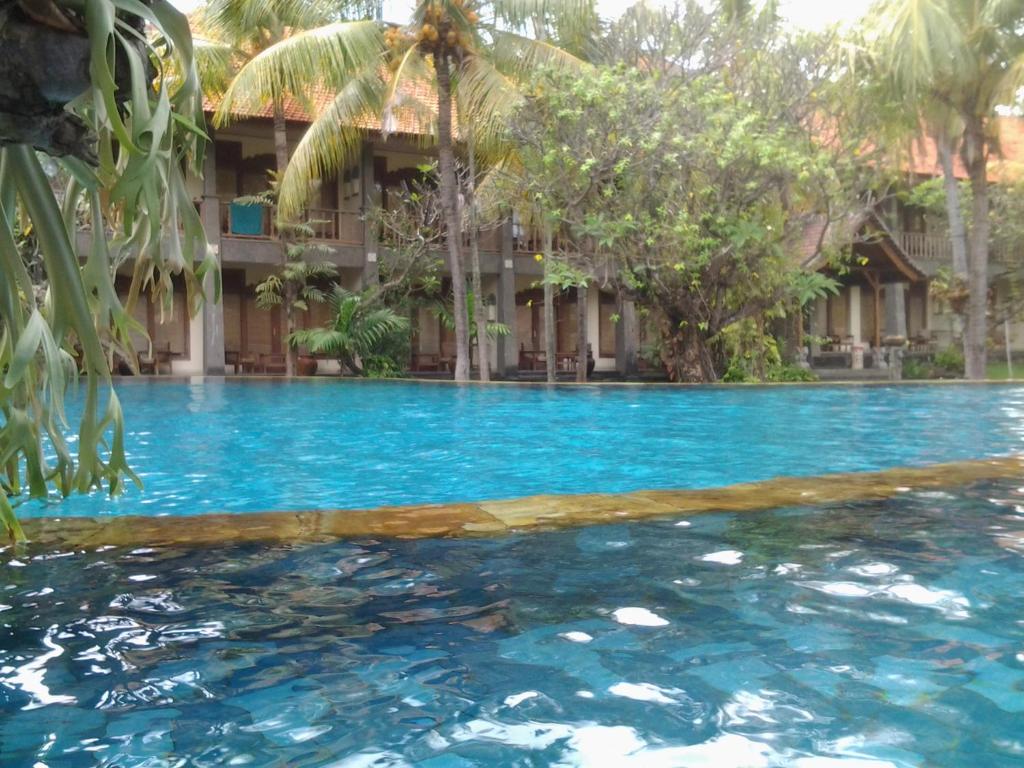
[505, 347]
[855, 307]
[895, 313]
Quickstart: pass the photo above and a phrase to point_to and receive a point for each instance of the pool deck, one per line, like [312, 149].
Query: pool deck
[495, 518]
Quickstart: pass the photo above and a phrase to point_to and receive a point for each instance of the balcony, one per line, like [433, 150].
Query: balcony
[258, 222]
[938, 248]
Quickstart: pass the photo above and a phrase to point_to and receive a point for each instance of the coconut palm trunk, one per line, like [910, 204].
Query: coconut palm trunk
[581, 333]
[549, 306]
[954, 209]
[449, 203]
[957, 227]
[281, 158]
[479, 306]
[977, 269]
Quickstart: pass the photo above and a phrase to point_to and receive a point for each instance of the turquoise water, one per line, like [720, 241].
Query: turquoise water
[874, 634]
[247, 446]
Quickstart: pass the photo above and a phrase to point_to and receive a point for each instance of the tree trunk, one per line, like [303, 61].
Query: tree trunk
[291, 352]
[281, 157]
[449, 203]
[685, 352]
[479, 306]
[957, 229]
[976, 336]
[549, 307]
[581, 334]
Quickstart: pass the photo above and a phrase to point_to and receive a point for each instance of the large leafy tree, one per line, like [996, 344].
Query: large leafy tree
[693, 178]
[251, 53]
[956, 62]
[469, 54]
[109, 88]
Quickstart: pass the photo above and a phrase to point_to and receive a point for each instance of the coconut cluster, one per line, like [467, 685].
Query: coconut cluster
[438, 30]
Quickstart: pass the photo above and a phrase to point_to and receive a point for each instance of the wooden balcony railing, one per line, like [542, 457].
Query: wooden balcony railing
[259, 222]
[927, 246]
[488, 240]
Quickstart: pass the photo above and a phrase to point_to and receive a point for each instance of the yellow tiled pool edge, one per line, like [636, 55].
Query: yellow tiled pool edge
[490, 518]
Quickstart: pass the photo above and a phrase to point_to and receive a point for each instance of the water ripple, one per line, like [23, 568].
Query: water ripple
[874, 634]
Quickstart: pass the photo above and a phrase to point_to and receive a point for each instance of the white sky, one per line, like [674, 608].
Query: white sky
[810, 14]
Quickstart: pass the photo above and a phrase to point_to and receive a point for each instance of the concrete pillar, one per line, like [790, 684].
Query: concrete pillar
[368, 185]
[819, 319]
[213, 312]
[855, 320]
[505, 346]
[627, 339]
[895, 314]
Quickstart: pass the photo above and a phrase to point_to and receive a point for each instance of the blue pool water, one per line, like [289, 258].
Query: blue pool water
[247, 446]
[874, 634]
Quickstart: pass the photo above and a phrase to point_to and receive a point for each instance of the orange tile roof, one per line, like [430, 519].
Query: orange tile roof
[856, 228]
[407, 121]
[1007, 165]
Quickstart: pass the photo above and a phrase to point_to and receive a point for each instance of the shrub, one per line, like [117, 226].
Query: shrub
[949, 362]
[790, 373]
[915, 370]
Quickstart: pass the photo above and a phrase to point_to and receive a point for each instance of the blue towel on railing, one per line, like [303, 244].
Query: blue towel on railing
[246, 219]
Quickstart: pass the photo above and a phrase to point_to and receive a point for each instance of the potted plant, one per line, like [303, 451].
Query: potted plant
[306, 365]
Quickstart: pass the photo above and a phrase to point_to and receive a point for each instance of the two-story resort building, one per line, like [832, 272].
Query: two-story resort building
[884, 293]
[896, 253]
[252, 339]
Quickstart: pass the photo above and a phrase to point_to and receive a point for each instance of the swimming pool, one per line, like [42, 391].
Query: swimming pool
[869, 634]
[229, 446]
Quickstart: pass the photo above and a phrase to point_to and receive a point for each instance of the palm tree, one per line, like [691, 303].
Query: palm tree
[444, 312]
[357, 328]
[472, 54]
[250, 53]
[957, 62]
[297, 285]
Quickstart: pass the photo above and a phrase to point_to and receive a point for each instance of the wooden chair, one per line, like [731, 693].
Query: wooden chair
[248, 363]
[426, 361]
[273, 362]
[155, 359]
[232, 358]
[446, 359]
[531, 359]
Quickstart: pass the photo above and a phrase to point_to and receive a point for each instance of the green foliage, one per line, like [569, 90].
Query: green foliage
[446, 314]
[690, 191]
[299, 283]
[950, 361]
[790, 374]
[143, 109]
[358, 331]
[383, 367]
[915, 369]
[944, 364]
[811, 286]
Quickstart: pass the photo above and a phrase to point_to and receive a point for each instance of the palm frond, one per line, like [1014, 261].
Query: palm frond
[334, 140]
[241, 19]
[533, 14]
[329, 54]
[518, 55]
[216, 63]
[487, 99]
[411, 68]
[920, 42]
